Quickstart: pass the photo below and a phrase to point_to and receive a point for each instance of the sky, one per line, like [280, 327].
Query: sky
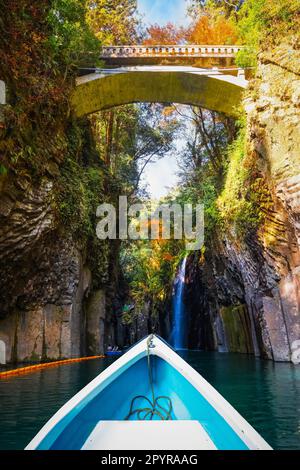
[161, 175]
[162, 11]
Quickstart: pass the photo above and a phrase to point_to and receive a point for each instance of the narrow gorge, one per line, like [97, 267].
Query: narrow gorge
[63, 292]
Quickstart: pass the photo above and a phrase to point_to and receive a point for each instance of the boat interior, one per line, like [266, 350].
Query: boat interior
[106, 411]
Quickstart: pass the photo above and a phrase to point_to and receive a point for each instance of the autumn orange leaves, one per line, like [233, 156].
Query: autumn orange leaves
[208, 28]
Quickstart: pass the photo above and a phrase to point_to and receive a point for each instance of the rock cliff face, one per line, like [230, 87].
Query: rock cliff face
[251, 287]
[43, 279]
[49, 307]
[51, 180]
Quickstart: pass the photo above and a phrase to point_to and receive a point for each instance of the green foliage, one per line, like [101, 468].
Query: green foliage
[263, 22]
[149, 268]
[246, 57]
[281, 11]
[259, 22]
[79, 194]
[245, 197]
[71, 41]
[203, 162]
[250, 25]
[42, 42]
[79, 187]
[227, 7]
[3, 170]
[129, 138]
[113, 21]
[230, 202]
[203, 190]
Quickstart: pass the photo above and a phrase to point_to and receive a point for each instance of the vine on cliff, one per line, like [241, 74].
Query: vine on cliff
[39, 55]
[245, 196]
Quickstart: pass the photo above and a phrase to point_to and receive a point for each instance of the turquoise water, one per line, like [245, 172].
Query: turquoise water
[266, 394]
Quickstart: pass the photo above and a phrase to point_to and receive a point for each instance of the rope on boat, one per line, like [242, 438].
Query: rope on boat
[155, 407]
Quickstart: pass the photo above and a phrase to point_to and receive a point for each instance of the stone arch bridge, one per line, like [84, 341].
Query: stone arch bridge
[217, 90]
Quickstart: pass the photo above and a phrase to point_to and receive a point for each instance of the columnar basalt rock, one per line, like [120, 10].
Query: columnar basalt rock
[45, 318]
[274, 123]
[261, 274]
[44, 278]
[95, 318]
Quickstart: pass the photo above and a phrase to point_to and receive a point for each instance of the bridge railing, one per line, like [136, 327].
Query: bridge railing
[169, 51]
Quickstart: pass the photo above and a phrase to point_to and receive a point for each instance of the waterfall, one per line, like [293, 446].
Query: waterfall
[178, 338]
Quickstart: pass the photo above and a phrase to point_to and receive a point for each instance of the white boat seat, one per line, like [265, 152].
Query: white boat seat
[149, 435]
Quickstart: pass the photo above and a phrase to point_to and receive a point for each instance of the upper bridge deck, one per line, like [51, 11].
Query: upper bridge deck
[207, 55]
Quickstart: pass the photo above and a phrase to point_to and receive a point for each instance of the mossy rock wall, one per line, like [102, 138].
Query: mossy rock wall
[237, 328]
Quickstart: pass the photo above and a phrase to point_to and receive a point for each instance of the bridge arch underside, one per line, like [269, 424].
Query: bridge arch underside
[95, 92]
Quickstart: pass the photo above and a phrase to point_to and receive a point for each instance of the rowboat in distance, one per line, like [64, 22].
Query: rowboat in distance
[148, 399]
[113, 353]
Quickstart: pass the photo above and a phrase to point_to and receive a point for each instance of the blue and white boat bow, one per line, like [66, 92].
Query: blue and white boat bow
[149, 398]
